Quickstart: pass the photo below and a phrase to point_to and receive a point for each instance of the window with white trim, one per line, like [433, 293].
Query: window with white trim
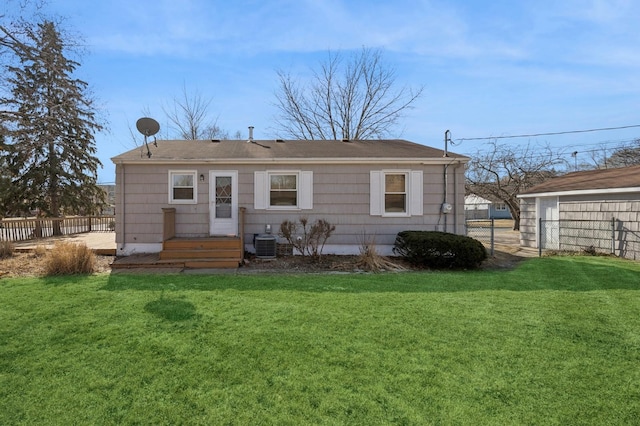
[502, 207]
[182, 187]
[396, 193]
[283, 190]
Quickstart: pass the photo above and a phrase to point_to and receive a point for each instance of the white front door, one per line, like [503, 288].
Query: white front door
[550, 232]
[223, 202]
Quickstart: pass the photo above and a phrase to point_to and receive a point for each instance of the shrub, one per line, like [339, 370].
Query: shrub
[6, 249]
[312, 238]
[69, 259]
[439, 250]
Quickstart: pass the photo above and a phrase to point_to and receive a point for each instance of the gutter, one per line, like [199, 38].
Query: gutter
[262, 161]
[581, 192]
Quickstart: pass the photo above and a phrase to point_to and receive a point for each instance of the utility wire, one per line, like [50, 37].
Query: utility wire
[549, 134]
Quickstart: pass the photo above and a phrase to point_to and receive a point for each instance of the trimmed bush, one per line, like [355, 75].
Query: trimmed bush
[439, 250]
[70, 259]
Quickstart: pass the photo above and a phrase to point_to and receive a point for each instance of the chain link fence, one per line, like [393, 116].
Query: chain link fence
[595, 236]
[482, 230]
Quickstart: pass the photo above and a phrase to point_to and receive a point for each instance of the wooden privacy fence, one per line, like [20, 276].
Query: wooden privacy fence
[34, 228]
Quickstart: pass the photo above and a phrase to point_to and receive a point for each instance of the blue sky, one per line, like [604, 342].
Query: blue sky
[489, 68]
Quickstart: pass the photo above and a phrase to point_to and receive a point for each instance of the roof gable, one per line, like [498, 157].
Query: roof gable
[605, 179]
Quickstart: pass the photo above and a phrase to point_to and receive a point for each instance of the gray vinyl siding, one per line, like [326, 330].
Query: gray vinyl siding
[624, 208]
[340, 196]
[528, 225]
[625, 213]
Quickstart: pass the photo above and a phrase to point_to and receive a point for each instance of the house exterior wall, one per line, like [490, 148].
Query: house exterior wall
[480, 208]
[528, 222]
[498, 214]
[341, 195]
[598, 211]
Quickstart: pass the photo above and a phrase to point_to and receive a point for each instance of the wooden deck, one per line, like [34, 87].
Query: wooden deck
[102, 243]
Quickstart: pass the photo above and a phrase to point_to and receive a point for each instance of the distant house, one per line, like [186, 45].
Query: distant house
[476, 207]
[110, 191]
[596, 208]
[368, 189]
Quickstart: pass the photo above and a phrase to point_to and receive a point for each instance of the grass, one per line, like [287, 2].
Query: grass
[556, 341]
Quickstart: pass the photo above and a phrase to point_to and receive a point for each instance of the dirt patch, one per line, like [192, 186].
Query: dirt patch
[28, 264]
[326, 263]
[332, 263]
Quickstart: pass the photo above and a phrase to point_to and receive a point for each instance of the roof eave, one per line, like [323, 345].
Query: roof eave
[241, 161]
[581, 192]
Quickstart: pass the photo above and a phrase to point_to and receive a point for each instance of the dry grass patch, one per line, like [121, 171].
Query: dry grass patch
[70, 259]
[370, 260]
[6, 249]
[40, 251]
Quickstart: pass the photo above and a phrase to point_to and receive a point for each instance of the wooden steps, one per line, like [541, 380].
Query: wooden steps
[213, 252]
[189, 253]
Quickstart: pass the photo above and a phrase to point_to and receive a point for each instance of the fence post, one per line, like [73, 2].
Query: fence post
[492, 236]
[613, 236]
[540, 237]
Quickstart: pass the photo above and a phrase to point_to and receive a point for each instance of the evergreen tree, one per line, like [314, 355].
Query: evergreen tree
[49, 122]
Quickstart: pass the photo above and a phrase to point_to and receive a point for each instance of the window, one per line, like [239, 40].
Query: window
[396, 193]
[502, 207]
[182, 187]
[283, 190]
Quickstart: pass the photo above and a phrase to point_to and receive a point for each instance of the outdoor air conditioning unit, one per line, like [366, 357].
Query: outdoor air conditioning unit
[266, 246]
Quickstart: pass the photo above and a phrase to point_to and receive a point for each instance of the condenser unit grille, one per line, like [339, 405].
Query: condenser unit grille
[266, 246]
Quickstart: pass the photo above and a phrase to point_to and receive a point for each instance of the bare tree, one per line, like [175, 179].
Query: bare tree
[189, 116]
[626, 154]
[346, 99]
[502, 172]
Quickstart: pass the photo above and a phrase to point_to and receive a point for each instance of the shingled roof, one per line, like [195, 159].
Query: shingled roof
[277, 150]
[601, 179]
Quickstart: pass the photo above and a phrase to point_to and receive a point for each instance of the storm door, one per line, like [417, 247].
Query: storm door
[223, 202]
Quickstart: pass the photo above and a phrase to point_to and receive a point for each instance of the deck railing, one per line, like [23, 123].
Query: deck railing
[34, 228]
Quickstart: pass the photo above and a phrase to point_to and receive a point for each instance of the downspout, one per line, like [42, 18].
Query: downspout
[444, 202]
[122, 208]
[447, 135]
[455, 198]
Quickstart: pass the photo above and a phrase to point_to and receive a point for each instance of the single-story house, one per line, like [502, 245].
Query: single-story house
[597, 209]
[368, 189]
[476, 207]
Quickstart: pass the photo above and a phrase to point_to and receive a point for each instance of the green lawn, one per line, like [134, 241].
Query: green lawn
[556, 341]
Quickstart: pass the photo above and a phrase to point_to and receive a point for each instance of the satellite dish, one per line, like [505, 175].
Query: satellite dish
[148, 127]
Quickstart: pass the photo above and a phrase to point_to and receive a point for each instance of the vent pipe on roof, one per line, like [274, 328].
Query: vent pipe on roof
[250, 134]
[447, 139]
